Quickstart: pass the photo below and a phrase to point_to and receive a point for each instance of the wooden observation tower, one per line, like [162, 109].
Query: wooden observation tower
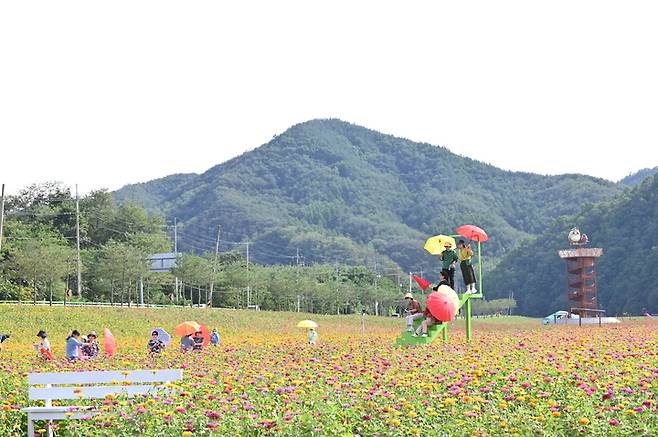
[581, 274]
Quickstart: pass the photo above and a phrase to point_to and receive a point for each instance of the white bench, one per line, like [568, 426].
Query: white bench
[89, 385]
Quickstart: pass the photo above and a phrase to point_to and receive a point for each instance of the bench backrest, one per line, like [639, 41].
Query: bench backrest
[98, 384]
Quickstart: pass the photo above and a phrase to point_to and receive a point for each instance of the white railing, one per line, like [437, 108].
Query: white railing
[86, 304]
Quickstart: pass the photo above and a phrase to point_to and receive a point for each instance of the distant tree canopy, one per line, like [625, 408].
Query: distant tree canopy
[638, 177]
[38, 262]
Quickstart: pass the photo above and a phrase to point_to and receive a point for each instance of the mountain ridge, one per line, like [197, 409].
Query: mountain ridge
[356, 194]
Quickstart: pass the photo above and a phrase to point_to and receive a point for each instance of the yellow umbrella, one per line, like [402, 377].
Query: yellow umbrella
[307, 324]
[187, 328]
[436, 244]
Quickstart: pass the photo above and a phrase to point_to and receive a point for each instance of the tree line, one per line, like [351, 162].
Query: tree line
[39, 259]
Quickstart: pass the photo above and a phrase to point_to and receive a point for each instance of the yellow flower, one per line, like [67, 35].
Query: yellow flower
[556, 414]
[583, 421]
[186, 433]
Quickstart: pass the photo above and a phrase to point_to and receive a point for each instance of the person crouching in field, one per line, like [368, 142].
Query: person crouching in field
[214, 337]
[43, 346]
[3, 337]
[414, 311]
[90, 348]
[73, 345]
[312, 336]
[198, 341]
[186, 343]
[155, 345]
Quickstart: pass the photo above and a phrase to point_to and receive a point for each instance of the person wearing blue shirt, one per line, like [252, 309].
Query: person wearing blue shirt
[214, 337]
[186, 343]
[73, 344]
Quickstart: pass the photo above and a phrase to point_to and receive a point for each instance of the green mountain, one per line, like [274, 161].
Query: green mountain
[636, 178]
[345, 194]
[625, 227]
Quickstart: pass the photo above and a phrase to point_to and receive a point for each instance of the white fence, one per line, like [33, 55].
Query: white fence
[87, 304]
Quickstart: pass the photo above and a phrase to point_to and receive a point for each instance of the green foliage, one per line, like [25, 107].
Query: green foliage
[638, 177]
[483, 307]
[38, 251]
[625, 227]
[342, 192]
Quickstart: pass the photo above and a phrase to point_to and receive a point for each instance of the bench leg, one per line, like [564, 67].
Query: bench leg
[30, 426]
[49, 427]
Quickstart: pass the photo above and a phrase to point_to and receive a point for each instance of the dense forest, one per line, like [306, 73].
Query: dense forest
[38, 262]
[626, 227]
[343, 193]
[638, 177]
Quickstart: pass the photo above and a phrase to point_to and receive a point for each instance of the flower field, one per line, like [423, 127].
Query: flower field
[515, 377]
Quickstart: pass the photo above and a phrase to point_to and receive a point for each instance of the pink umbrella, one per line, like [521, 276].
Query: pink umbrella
[472, 232]
[441, 307]
[206, 335]
[109, 342]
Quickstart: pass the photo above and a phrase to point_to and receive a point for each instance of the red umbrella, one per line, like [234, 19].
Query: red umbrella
[422, 282]
[441, 306]
[206, 335]
[109, 342]
[472, 232]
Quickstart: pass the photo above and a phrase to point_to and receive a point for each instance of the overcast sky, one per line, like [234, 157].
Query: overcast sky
[110, 93]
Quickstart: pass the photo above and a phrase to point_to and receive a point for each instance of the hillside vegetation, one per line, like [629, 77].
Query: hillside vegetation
[627, 273]
[345, 194]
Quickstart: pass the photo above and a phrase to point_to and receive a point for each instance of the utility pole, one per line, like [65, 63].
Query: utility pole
[248, 287]
[214, 264]
[175, 236]
[176, 290]
[376, 291]
[297, 280]
[77, 240]
[337, 306]
[2, 212]
[141, 291]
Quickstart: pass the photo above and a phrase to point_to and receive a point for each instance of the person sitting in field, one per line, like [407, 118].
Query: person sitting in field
[73, 345]
[155, 345]
[43, 346]
[3, 337]
[90, 348]
[312, 336]
[443, 280]
[198, 341]
[186, 343]
[429, 321]
[414, 311]
[214, 337]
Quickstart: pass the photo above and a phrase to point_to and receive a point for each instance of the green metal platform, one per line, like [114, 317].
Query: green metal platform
[407, 338]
